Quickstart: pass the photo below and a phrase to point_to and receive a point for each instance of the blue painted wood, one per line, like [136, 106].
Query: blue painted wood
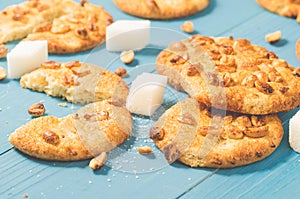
[276, 177]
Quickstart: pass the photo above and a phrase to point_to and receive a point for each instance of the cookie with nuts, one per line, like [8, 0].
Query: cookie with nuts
[231, 74]
[287, 8]
[161, 9]
[76, 82]
[199, 137]
[17, 21]
[81, 29]
[97, 127]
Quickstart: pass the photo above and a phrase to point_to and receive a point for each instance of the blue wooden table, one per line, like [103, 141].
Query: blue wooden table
[132, 175]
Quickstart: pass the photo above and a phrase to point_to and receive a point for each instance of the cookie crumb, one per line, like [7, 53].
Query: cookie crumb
[122, 72]
[127, 56]
[144, 149]
[62, 104]
[25, 195]
[98, 162]
[187, 27]
[3, 73]
[273, 37]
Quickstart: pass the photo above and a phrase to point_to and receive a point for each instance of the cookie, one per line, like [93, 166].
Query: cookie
[97, 127]
[76, 82]
[161, 9]
[230, 74]
[17, 21]
[199, 137]
[287, 8]
[81, 29]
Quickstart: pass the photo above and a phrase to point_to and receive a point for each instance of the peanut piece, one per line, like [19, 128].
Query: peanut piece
[3, 73]
[273, 37]
[187, 27]
[98, 162]
[144, 149]
[257, 132]
[3, 50]
[51, 137]
[36, 110]
[122, 72]
[127, 56]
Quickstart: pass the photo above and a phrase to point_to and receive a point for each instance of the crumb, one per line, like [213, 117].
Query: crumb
[3, 50]
[25, 195]
[3, 73]
[273, 37]
[36, 110]
[62, 104]
[187, 27]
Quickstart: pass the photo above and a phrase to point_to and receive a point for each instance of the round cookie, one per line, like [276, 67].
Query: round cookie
[230, 74]
[97, 127]
[161, 9]
[287, 8]
[198, 138]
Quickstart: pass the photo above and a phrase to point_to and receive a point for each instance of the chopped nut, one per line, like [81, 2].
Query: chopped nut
[249, 81]
[51, 65]
[257, 132]
[273, 37]
[103, 115]
[264, 87]
[187, 27]
[37, 110]
[261, 76]
[171, 153]
[191, 70]
[283, 90]
[144, 149]
[50, 137]
[127, 56]
[226, 79]
[227, 50]
[186, 118]
[98, 162]
[82, 33]
[3, 73]
[3, 50]
[156, 133]
[73, 64]
[116, 102]
[25, 195]
[256, 121]
[234, 132]
[122, 72]
[43, 27]
[296, 72]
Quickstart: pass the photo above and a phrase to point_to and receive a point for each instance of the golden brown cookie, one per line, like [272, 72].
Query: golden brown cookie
[17, 21]
[76, 82]
[231, 74]
[82, 28]
[97, 127]
[287, 8]
[161, 9]
[191, 133]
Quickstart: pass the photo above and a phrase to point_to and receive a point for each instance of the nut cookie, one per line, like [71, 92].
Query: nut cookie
[76, 82]
[231, 74]
[97, 127]
[287, 8]
[161, 9]
[81, 29]
[17, 21]
[191, 133]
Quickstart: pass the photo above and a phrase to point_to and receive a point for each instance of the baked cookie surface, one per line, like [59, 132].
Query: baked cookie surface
[83, 27]
[17, 21]
[97, 127]
[197, 137]
[287, 8]
[76, 82]
[161, 9]
[231, 74]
